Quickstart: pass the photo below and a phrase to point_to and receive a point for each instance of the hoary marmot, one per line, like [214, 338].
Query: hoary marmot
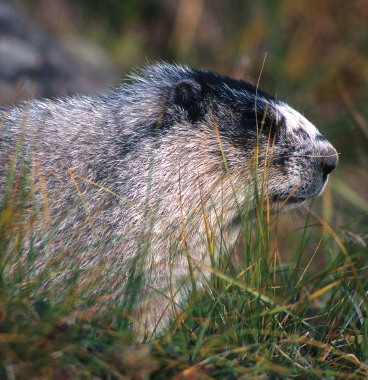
[141, 179]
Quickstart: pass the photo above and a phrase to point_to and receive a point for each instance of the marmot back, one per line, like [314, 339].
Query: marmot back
[136, 176]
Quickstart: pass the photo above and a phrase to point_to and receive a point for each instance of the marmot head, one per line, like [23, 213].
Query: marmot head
[293, 159]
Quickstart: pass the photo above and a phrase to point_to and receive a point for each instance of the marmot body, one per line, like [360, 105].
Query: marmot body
[148, 167]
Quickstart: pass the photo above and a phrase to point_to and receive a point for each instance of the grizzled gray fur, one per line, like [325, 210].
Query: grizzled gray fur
[132, 178]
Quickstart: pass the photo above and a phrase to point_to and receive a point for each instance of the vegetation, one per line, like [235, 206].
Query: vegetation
[291, 302]
[258, 316]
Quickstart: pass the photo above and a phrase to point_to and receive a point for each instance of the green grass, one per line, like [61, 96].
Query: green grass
[257, 317]
[294, 306]
[260, 314]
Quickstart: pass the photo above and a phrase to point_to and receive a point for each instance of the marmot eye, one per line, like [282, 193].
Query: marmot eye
[260, 121]
[262, 124]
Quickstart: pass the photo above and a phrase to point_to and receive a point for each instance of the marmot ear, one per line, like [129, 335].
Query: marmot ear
[188, 94]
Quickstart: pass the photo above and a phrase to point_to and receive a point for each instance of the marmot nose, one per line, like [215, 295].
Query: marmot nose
[330, 161]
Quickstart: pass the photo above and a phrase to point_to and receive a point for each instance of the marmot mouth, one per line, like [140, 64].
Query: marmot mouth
[296, 200]
[298, 197]
[289, 200]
